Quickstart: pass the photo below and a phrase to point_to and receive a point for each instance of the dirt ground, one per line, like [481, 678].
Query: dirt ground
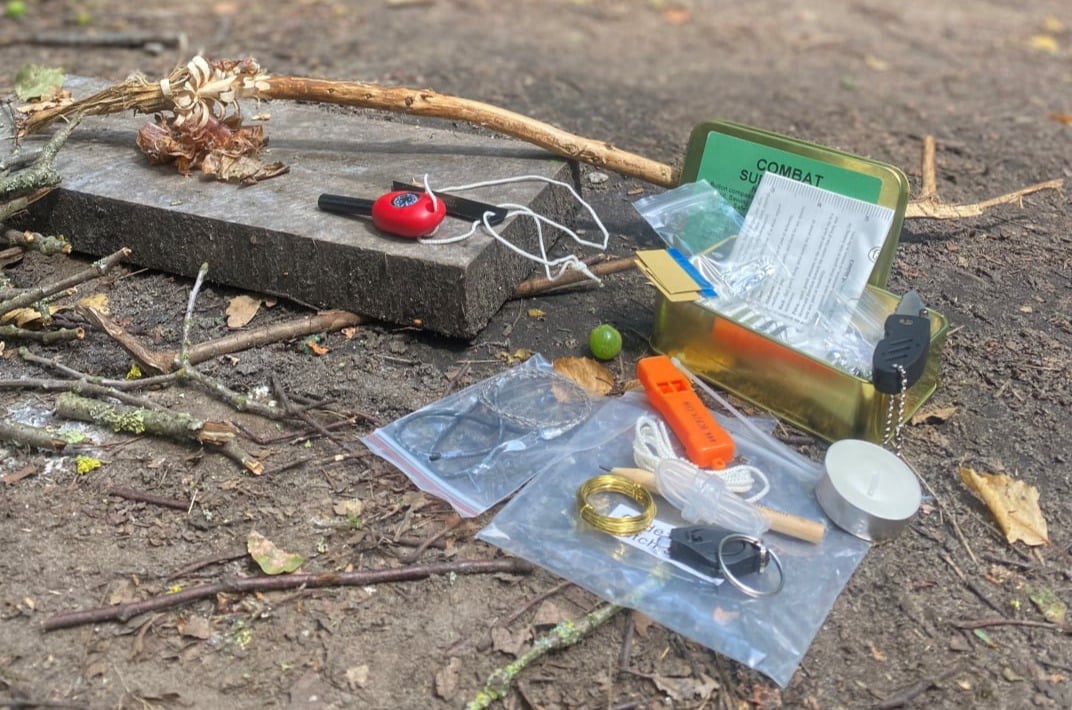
[987, 78]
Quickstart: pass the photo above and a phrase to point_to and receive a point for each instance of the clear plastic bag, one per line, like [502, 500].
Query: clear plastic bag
[692, 218]
[770, 634]
[479, 445]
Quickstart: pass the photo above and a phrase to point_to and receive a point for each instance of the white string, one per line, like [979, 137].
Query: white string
[553, 268]
[651, 444]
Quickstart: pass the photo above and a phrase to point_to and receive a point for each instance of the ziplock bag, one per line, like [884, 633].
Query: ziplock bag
[479, 445]
[770, 634]
[692, 218]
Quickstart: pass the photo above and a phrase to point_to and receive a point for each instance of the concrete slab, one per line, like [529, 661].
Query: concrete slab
[271, 237]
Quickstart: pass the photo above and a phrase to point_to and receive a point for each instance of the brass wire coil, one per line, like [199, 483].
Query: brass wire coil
[612, 483]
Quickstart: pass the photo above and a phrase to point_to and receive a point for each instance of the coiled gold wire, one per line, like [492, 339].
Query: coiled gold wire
[612, 483]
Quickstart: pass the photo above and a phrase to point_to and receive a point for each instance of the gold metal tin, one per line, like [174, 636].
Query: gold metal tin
[798, 388]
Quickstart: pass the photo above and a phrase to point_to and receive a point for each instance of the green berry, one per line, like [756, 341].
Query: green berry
[605, 342]
[15, 9]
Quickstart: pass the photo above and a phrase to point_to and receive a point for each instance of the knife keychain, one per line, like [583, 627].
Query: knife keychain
[899, 360]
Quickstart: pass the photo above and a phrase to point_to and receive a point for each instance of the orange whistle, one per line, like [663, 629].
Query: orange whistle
[669, 391]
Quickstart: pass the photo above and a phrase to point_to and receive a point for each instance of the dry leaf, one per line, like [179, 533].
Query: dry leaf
[446, 678]
[589, 374]
[681, 689]
[676, 15]
[549, 614]
[875, 653]
[536, 313]
[357, 676]
[241, 309]
[505, 642]
[875, 63]
[1053, 25]
[642, 624]
[1013, 503]
[98, 302]
[270, 558]
[347, 508]
[933, 415]
[1049, 604]
[197, 627]
[1065, 118]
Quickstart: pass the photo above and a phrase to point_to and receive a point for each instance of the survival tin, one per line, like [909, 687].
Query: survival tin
[807, 392]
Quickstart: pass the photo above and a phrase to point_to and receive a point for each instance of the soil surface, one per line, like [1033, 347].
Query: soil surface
[989, 79]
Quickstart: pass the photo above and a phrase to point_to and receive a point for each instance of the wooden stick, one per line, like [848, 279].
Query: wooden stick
[31, 296]
[541, 284]
[785, 523]
[243, 585]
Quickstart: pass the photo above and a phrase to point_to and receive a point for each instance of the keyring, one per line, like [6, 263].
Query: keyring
[612, 483]
[766, 554]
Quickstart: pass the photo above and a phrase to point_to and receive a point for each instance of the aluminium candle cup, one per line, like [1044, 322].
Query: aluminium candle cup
[866, 490]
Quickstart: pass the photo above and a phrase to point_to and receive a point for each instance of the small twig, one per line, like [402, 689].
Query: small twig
[144, 497]
[31, 296]
[934, 209]
[45, 337]
[542, 284]
[306, 417]
[35, 241]
[114, 384]
[27, 435]
[971, 625]
[79, 387]
[188, 319]
[201, 564]
[42, 173]
[904, 697]
[128, 40]
[536, 600]
[244, 585]
[454, 521]
[930, 181]
[563, 635]
[166, 360]
[625, 654]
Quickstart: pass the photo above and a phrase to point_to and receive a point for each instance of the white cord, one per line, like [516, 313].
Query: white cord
[651, 444]
[560, 265]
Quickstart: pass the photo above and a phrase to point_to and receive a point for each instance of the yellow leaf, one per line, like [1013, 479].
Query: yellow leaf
[1044, 43]
[98, 302]
[270, 558]
[1013, 503]
[241, 310]
[85, 464]
[25, 316]
[134, 373]
[536, 313]
[589, 374]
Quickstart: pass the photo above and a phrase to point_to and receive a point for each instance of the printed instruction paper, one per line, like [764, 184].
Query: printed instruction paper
[825, 246]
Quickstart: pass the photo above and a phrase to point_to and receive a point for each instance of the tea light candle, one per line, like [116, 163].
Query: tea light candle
[867, 490]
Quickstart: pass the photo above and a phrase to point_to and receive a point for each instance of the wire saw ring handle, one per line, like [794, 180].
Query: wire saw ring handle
[763, 550]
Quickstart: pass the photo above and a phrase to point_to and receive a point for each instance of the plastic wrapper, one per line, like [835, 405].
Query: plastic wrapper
[479, 445]
[771, 634]
[692, 218]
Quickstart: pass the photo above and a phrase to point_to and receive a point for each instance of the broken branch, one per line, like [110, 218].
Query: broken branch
[166, 360]
[563, 635]
[541, 284]
[244, 585]
[45, 337]
[32, 436]
[167, 423]
[31, 296]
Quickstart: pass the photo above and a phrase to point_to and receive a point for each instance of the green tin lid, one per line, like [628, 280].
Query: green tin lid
[733, 157]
